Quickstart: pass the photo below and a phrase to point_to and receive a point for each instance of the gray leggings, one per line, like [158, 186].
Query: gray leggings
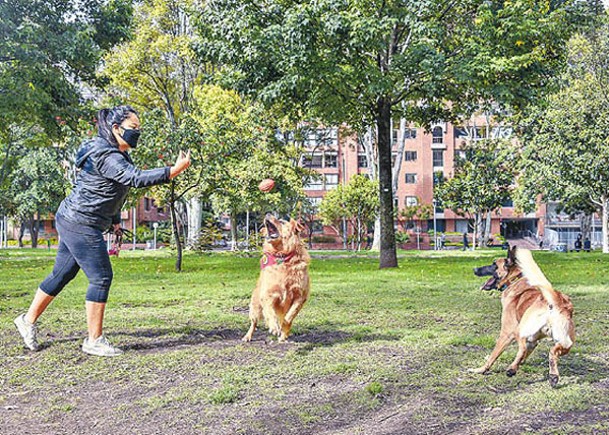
[80, 247]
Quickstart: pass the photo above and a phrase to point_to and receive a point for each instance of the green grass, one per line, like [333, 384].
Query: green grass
[373, 351]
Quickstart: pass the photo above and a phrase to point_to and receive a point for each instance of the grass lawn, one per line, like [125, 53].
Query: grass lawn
[372, 352]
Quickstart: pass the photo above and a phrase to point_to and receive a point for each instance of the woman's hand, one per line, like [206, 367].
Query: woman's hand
[182, 162]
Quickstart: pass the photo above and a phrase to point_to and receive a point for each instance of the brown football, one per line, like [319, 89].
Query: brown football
[266, 185]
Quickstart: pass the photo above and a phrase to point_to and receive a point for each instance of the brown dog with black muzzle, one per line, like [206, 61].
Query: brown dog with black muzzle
[283, 286]
[532, 310]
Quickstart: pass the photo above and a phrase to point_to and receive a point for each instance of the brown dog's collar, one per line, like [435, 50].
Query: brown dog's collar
[511, 281]
[274, 259]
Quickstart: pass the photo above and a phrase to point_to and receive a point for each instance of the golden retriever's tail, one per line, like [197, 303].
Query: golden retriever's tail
[559, 322]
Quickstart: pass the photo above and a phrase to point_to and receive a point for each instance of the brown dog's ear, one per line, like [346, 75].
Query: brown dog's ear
[264, 232]
[511, 259]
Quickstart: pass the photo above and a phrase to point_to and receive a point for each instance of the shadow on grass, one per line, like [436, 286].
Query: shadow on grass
[310, 339]
[171, 338]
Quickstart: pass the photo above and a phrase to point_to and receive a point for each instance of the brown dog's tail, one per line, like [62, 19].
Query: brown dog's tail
[559, 321]
[532, 272]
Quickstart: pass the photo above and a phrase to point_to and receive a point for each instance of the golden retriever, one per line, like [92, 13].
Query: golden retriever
[283, 285]
[532, 310]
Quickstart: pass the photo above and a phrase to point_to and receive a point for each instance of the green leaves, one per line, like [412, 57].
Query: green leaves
[567, 140]
[483, 180]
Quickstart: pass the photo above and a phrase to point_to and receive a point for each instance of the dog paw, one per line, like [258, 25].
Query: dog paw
[510, 372]
[553, 381]
[246, 339]
[479, 370]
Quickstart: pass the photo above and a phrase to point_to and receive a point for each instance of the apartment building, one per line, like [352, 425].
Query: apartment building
[336, 154]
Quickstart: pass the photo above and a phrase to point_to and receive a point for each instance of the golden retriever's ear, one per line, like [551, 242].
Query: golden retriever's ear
[263, 232]
[297, 226]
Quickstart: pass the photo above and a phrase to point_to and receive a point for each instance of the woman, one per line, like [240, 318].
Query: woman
[106, 173]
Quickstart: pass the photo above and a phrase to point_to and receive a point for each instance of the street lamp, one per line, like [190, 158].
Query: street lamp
[435, 239]
[155, 226]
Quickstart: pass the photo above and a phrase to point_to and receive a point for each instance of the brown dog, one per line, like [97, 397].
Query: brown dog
[532, 310]
[283, 285]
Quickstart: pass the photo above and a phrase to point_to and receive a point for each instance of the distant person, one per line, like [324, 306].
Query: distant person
[465, 242]
[442, 241]
[106, 174]
[587, 245]
[578, 243]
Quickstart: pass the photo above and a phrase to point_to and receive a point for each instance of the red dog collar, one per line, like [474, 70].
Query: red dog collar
[272, 260]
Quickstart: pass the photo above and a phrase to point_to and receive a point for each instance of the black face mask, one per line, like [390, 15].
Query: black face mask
[131, 135]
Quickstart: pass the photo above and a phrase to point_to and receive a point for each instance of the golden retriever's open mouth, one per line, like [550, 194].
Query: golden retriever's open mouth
[271, 230]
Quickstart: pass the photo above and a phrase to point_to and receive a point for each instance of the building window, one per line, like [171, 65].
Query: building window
[330, 160]
[480, 132]
[317, 227]
[437, 135]
[411, 178]
[312, 161]
[396, 203]
[315, 185]
[395, 137]
[410, 133]
[411, 201]
[393, 157]
[508, 203]
[439, 207]
[462, 225]
[362, 161]
[438, 176]
[322, 136]
[315, 201]
[410, 156]
[147, 204]
[331, 181]
[438, 158]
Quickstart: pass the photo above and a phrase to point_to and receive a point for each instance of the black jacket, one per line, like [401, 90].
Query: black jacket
[106, 173]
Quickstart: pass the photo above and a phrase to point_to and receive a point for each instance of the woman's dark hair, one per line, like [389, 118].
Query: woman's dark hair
[106, 118]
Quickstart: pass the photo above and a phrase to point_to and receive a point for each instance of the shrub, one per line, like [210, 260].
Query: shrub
[401, 237]
[324, 239]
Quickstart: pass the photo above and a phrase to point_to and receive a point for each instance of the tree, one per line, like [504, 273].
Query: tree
[566, 142]
[365, 63]
[357, 202]
[37, 187]
[48, 54]
[156, 69]
[481, 183]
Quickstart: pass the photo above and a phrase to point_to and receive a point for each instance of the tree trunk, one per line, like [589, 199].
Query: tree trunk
[21, 233]
[605, 227]
[174, 226]
[233, 230]
[376, 238]
[369, 146]
[487, 228]
[475, 235]
[388, 255]
[34, 231]
[586, 226]
[194, 210]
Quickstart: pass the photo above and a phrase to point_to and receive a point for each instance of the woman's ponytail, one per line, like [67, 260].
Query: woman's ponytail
[106, 118]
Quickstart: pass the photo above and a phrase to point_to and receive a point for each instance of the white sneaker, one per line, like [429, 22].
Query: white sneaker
[28, 331]
[100, 347]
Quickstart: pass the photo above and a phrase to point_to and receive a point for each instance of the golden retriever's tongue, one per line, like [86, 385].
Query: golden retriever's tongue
[271, 230]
